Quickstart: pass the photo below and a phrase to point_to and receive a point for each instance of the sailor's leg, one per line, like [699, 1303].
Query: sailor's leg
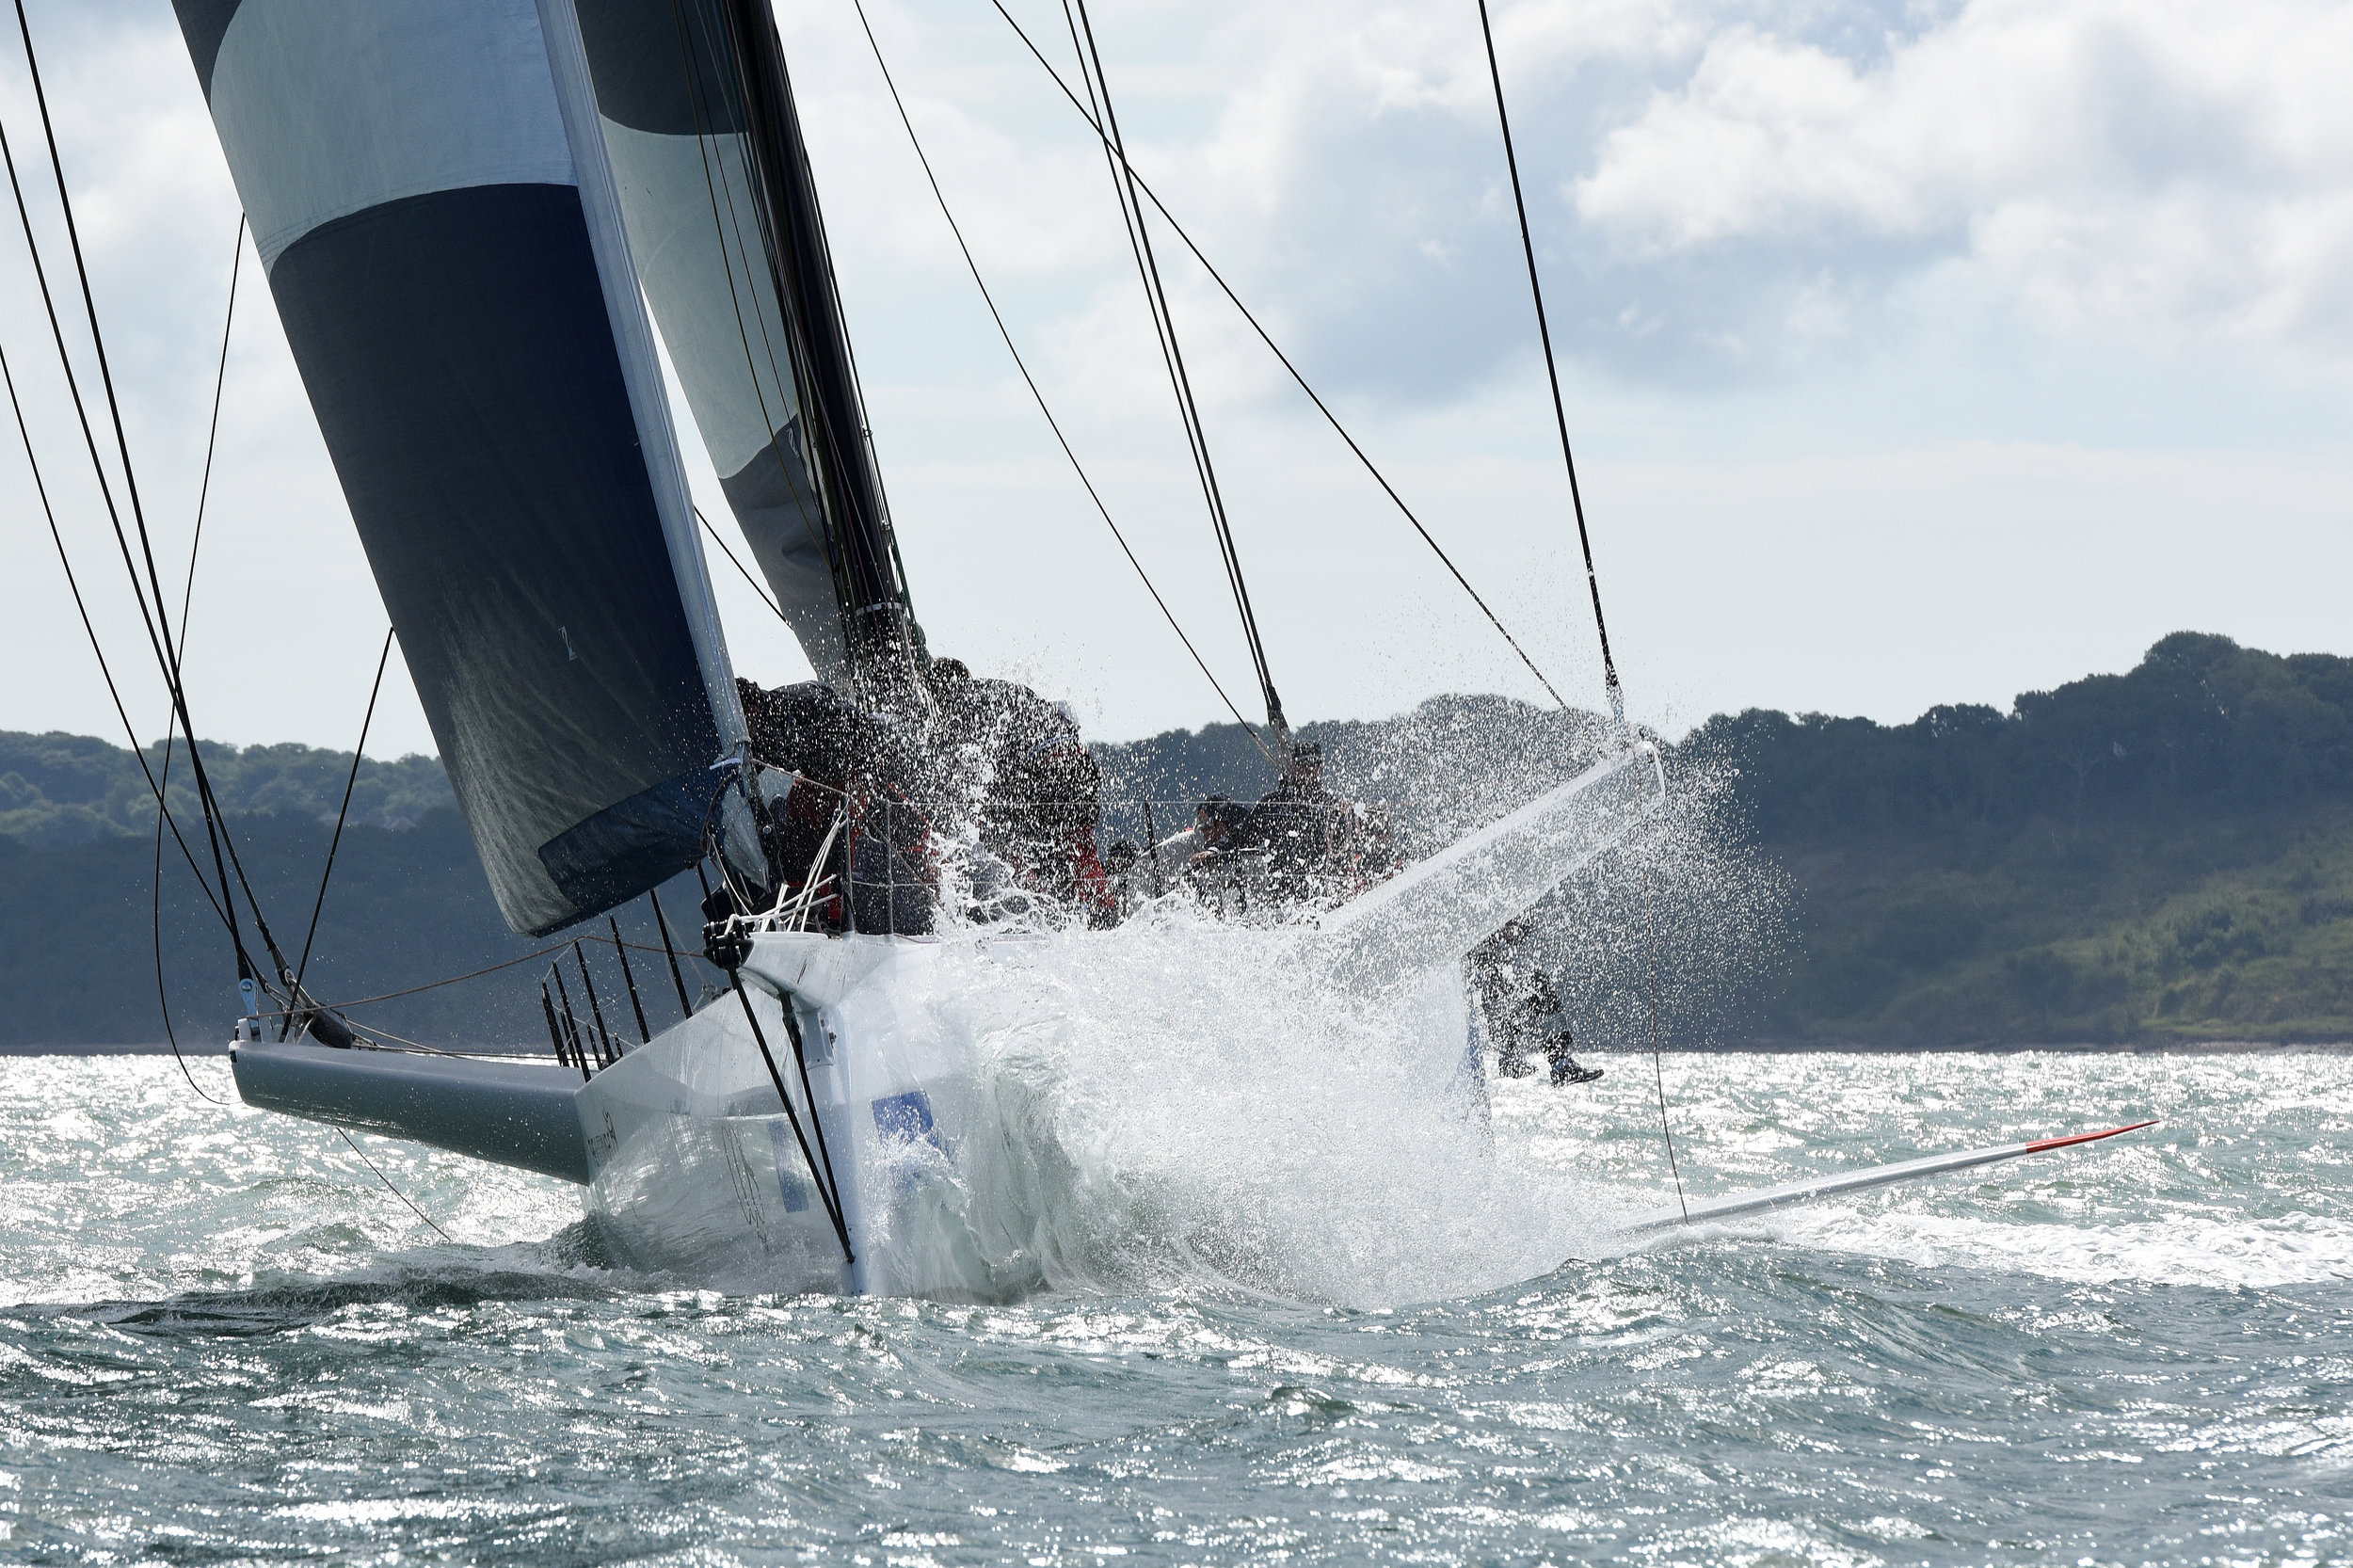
[1565, 1068]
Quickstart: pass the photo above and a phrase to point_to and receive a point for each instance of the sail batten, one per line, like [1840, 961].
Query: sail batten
[444, 245]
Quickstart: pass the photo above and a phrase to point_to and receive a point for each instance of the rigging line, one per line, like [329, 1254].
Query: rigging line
[736, 564]
[1030, 382]
[158, 627]
[1552, 371]
[350, 780]
[821, 1173]
[187, 596]
[429, 986]
[396, 1192]
[162, 809]
[156, 932]
[167, 653]
[1164, 328]
[1140, 240]
[211, 434]
[1658, 1073]
[57, 335]
[1284, 359]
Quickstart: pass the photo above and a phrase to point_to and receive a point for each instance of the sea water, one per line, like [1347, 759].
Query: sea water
[223, 1340]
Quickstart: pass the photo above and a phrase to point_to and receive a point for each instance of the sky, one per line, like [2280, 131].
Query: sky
[1913, 352]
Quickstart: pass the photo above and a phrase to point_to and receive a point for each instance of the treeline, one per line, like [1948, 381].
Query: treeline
[58, 789]
[2162, 855]
[2202, 726]
[83, 926]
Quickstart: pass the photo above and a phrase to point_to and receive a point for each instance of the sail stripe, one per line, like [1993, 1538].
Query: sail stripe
[328, 108]
[202, 23]
[516, 561]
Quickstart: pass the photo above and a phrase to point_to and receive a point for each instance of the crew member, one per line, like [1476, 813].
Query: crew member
[850, 771]
[1029, 782]
[1302, 832]
[1521, 1010]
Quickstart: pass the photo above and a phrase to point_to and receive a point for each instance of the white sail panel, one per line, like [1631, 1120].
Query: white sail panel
[705, 144]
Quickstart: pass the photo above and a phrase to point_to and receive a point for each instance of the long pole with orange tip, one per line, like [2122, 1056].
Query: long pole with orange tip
[1856, 1182]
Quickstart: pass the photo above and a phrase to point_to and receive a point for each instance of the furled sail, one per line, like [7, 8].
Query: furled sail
[429, 192]
[722, 211]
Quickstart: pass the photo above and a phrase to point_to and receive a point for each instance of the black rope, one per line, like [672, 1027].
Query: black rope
[1030, 381]
[212, 432]
[158, 625]
[396, 1192]
[816, 1123]
[1552, 371]
[65, 559]
[163, 815]
[1172, 353]
[738, 565]
[1363, 459]
[187, 597]
[156, 932]
[822, 1177]
[334, 844]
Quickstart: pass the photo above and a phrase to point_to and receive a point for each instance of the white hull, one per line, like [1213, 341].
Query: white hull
[916, 1084]
[696, 1168]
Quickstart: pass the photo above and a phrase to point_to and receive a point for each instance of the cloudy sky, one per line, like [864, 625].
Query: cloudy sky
[1915, 352]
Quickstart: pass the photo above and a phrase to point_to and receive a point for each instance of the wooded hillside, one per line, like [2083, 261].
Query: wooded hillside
[2163, 855]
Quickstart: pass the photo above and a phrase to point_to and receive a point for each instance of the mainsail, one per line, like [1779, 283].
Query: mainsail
[431, 196]
[722, 212]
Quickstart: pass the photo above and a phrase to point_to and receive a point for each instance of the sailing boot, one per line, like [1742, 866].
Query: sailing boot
[1565, 1068]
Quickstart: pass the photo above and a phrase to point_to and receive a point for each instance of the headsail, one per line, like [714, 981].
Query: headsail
[722, 211]
[431, 198]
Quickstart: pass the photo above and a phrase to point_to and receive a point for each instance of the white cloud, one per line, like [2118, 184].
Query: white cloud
[1916, 349]
[2179, 170]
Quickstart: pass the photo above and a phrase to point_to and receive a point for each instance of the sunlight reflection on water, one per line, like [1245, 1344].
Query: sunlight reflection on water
[219, 1340]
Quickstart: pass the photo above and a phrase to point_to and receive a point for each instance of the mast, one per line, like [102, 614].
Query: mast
[877, 617]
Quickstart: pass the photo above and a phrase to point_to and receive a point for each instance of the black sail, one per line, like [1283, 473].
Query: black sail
[430, 194]
[722, 212]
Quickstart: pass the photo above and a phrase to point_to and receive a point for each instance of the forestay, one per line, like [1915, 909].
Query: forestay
[431, 197]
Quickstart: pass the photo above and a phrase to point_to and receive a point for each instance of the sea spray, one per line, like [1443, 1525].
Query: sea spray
[1181, 1100]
